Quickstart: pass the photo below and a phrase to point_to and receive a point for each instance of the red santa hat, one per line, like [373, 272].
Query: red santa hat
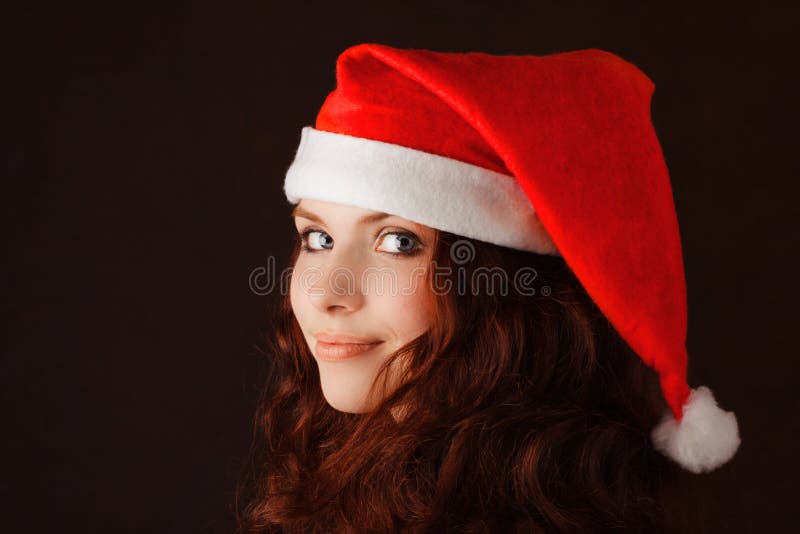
[552, 154]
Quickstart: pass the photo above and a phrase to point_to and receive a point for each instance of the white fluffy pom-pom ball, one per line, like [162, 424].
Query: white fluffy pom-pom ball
[704, 439]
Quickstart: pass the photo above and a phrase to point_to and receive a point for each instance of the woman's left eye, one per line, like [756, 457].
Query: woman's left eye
[399, 243]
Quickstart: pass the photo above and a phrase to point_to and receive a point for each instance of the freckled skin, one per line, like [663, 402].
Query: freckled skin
[359, 281]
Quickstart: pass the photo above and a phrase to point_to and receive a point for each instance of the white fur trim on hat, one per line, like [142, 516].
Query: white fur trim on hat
[440, 192]
[705, 438]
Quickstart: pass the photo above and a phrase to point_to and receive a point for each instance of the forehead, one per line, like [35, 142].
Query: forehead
[334, 213]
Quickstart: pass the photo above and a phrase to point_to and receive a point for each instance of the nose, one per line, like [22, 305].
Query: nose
[338, 289]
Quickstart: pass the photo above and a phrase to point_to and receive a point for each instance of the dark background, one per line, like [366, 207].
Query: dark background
[143, 173]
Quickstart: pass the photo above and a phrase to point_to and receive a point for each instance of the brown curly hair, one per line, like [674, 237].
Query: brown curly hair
[520, 413]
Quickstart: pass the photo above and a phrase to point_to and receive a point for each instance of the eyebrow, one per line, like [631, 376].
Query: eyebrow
[372, 217]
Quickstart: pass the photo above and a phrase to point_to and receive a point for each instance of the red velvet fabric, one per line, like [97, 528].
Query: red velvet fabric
[574, 128]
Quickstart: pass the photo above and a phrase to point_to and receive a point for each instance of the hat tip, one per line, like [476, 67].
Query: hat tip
[705, 438]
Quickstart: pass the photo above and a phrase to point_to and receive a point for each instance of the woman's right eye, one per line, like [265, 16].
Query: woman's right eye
[315, 240]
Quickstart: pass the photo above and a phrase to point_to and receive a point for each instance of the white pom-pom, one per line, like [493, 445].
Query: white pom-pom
[705, 438]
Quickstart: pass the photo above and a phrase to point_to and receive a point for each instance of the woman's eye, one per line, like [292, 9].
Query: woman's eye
[399, 243]
[314, 240]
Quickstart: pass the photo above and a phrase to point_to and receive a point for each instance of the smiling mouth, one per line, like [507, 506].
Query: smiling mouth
[334, 352]
[341, 337]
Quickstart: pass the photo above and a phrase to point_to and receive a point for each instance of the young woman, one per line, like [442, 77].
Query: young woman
[483, 285]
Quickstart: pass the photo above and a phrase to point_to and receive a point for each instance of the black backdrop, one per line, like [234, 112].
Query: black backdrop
[143, 184]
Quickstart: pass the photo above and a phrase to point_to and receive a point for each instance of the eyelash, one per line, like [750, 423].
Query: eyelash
[305, 248]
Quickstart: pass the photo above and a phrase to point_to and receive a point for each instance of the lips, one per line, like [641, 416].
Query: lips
[338, 347]
[330, 337]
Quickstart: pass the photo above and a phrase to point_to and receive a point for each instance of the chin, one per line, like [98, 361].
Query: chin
[345, 385]
[344, 400]
[346, 407]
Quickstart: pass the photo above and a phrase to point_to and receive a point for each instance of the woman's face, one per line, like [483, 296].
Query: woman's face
[361, 273]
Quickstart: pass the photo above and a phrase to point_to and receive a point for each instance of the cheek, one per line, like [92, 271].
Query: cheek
[409, 310]
[297, 297]
[415, 319]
